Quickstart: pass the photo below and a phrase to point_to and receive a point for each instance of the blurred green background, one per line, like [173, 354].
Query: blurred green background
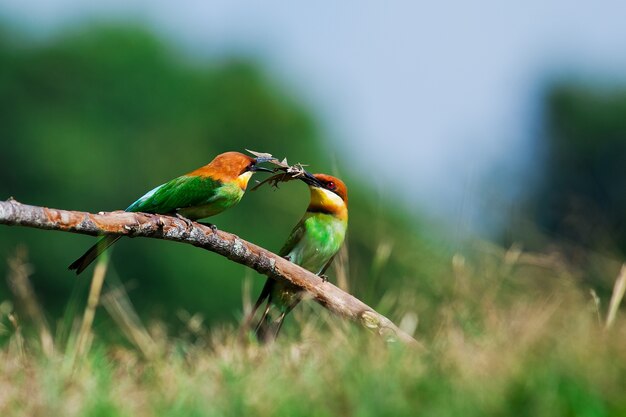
[484, 147]
[96, 116]
[93, 119]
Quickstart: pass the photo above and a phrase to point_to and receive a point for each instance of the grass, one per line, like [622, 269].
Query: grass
[511, 333]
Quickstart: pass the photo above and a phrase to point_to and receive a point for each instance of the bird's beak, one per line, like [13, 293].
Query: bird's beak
[261, 159]
[311, 180]
[256, 167]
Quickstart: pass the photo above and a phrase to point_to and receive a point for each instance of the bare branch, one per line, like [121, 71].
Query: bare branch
[226, 244]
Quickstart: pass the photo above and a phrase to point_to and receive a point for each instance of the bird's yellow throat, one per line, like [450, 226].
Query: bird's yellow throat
[327, 201]
[242, 180]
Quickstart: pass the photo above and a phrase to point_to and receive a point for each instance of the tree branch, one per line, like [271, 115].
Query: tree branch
[226, 244]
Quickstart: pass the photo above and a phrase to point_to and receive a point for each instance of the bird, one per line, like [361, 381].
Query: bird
[201, 193]
[312, 244]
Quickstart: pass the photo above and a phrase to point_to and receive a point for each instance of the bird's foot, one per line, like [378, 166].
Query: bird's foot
[159, 221]
[324, 277]
[187, 221]
[288, 258]
[210, 226]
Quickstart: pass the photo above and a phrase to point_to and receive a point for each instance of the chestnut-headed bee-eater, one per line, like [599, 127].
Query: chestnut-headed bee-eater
[312, 244]
[205, 192]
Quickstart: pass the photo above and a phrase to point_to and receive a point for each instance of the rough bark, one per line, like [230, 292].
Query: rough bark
[13, 213]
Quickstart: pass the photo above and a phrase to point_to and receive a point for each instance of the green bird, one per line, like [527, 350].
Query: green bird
[312, 244]
[205, 192]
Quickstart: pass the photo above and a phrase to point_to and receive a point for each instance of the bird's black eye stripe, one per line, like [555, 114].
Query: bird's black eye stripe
[248, 168]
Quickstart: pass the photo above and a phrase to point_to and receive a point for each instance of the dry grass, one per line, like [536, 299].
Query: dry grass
[516, 334]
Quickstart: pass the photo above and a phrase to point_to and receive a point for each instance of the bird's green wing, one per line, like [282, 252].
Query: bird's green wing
[178, 193]
[330, 261]
[294, 238]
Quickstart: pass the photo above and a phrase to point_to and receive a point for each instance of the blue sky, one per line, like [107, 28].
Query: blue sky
[444, 98]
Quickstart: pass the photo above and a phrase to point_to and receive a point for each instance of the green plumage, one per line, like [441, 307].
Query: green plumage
[193, 197]
[314, 241]
[312, 244]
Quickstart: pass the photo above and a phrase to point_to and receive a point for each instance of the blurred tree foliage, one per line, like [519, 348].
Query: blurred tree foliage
[578, 205]
[94, 118]
[582, 195]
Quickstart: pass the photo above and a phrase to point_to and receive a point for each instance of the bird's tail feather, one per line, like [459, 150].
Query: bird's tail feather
[247, 323]
[270, 323]
[277, 306]
[92, 253]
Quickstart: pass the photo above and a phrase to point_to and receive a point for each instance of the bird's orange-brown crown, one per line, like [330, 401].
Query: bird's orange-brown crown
[333, 184]
[329, 195]
[225, 167]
